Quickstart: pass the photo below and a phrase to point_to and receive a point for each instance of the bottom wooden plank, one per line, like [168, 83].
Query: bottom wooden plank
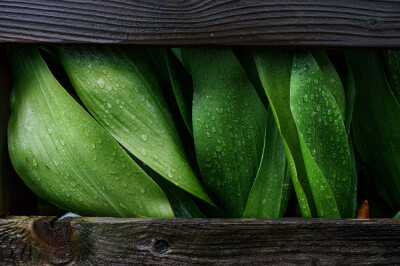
[44, 240]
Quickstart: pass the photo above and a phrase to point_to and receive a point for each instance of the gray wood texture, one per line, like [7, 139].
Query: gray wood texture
[340, 23]
[100, 241]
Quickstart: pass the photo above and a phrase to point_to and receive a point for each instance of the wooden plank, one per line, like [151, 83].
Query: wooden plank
[339, 23]
[99, 241]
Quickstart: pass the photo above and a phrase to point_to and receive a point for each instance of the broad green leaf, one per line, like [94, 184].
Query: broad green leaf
[65, 156]
[331, 79]
[271, 189]
[274, 68]
[178, 79]
[376, 122]
[229, 123]
[121, 91]
[397, 216]
[392, 59]
[323, 138]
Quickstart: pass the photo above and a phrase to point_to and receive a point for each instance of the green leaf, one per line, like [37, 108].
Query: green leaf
[246, 59]
[65, 156]
[351, 206]
[323, 138]
[331, 79]
[177, 53]
[178, 79]
[274, 68]
[272, 186]
[229, 123]
[392, 60]
[120, 89]
[376, 122]
[350, 93]
[397, 216]
[181, 203]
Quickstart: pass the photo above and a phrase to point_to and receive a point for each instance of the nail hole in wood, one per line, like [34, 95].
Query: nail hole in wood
[161, 246]
[373, 23]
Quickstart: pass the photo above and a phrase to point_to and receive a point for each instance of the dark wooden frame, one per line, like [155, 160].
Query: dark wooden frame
[341, 23]
[100, 241]
[351, 23]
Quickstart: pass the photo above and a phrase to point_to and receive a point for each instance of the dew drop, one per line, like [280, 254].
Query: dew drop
[169, 173]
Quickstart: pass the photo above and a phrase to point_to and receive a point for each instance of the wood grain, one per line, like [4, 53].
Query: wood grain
[338, 23]
[99, 241]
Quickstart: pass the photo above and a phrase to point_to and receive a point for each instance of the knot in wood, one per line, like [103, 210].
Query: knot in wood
[374, 23]
[53, 240]
[161, 245]
[53, 234]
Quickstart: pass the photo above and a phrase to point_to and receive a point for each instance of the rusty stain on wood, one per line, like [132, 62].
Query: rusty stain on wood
[341, 23]
[99, 241]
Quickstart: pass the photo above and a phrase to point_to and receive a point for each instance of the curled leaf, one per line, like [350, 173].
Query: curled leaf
[272, 186]
[274, 68]
[376, 123]
[229, 123]
[120, 89]
[323, 139]
[65, 156]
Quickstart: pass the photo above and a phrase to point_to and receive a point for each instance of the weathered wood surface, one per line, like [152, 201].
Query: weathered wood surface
[203, 22]
[100, 241]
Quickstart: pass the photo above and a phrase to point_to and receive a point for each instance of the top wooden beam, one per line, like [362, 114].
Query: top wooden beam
[329, 23]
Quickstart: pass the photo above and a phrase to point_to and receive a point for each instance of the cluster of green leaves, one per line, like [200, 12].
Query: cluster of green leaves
[202, 132]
